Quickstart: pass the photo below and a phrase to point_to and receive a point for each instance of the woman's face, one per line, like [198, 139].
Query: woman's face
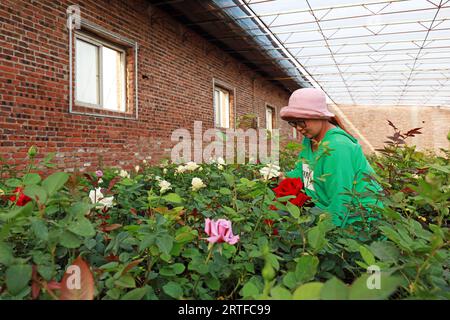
[310, 128]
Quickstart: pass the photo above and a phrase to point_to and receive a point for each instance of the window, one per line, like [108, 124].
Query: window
[270, 118]
[222, 107]
[100, 74]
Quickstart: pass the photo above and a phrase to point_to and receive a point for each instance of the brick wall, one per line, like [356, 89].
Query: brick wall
[176, 68]
[372, 124]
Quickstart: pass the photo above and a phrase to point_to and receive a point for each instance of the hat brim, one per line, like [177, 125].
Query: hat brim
[289, 113]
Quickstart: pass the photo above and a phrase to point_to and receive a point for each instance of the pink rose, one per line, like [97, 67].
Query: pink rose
[220, 231]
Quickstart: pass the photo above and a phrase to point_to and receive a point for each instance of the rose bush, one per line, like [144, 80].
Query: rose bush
[219, 231]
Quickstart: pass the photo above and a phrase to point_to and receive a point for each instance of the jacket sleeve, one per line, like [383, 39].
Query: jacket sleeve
[297, 172]
[338, 168]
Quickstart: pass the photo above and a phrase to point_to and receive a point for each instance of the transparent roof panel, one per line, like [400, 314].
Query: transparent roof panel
[382, 52]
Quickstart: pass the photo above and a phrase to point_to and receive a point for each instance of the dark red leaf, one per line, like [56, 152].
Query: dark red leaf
[112, 183]
[131, 265]
[88, 176]
[392, 125]
[413, 132]
[78, 285]
[111, 227]
[379, 165]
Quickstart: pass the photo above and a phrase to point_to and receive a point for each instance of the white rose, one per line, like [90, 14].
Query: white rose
[220, 166]
[165, 170]
[197, 184]
[137, 169]
[144, 161]
[164, 185]
[270, 171]
[221, 161]
[191, 166]
[124, 174]
[96, 196]
[181, 169]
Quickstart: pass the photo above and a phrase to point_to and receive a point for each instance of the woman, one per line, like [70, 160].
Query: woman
[331, 161]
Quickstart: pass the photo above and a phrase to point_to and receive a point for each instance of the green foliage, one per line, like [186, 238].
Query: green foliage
[150, 244]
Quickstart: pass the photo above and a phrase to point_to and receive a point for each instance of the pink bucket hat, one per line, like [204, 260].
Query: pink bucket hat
[306, 103]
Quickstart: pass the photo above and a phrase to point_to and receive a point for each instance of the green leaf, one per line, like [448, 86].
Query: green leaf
[350, 244]
[178, 268]
[367, 255]
[36, 193]
[80, 209]
[172, 270]
[385, 251]
[6, 254]
[135, 294]
[316, 238]
[173, 198]
[17, 277]
[213, 283]
[225, 191]
[228, 178]
[69, 240]
[360, 289]
[54, 182]
[46, 271]
[334, 289]
[31, 178]
[230, 211]
[306, 268]
[289, 280]
[285, 198]
[13, 182]
[249, 290]
[273, 260]
[165, 243]
[185, 237]
[125, 281]
[280, 293]
[39, 228]
[293, 210]
[308, 291]
[82, 227]
[198, 266]
[90, 243]
[18, 211]
[173, 289]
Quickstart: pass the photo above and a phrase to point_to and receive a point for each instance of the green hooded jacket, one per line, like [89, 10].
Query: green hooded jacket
[337, 166]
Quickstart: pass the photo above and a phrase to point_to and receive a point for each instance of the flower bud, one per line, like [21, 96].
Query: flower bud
[32, 152]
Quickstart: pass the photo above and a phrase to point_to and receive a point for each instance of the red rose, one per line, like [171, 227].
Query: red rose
[23, 199]
[292, 187]
[269, 222]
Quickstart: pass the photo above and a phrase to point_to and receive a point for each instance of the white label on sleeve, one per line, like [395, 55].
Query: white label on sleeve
[308, 175]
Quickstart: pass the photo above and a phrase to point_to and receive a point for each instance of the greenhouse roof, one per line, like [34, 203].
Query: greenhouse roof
[393, 52]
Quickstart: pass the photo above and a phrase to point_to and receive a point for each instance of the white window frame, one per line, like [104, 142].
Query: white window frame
[274, 112]
[218, 108]
[232, 105]
[100, 44]
[115, 38]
